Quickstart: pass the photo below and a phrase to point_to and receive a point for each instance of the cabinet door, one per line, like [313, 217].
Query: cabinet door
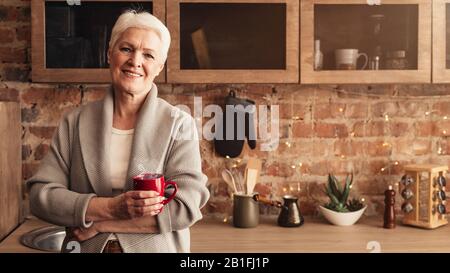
[441, 41]
[236, 41]
[362, 43]
[10, 167]
[70, 41]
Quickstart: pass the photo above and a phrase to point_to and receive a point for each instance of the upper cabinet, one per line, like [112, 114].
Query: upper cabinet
[349, 41]
[233, 41]
[441, 41]
[70, 42]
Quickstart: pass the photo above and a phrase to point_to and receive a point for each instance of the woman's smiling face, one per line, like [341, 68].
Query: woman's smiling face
[135, 60]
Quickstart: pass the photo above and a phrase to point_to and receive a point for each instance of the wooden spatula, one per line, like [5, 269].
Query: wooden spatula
[252, 172]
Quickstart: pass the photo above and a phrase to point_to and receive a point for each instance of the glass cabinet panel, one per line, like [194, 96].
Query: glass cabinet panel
[70, 41]
[354, 42]
[364, 37]
[233, 36]
[233, 41]
[77, 36]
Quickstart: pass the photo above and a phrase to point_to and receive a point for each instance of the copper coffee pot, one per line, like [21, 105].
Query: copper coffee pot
[290, 213]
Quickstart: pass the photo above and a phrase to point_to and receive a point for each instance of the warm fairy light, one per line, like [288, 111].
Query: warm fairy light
[234, 165]
[341, 109]
[439, 150]
[390, 187]
[288, 144]
[284, 189]
[362, 199]
[293, 166]
[385, 144]
[227, 157]
[427, 113]
[298, 186]
[300, 164]
[445, 117]
[291, 188]
[295, 118]
[238, 160]
[351, 186]
[342, 156]
[225, 219]
[382, 169]
[352, 134]
[396, 163]
[386, 117]
[444, 132]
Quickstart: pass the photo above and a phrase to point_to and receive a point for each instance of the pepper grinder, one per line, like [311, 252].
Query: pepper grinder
[389, 212]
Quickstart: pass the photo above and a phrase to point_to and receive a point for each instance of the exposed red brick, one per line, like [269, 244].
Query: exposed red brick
[356, 110]
[328, 130]
[6, 35]
[40, 151]
[29, 169]
[9, 94]
[301, 129]
[42, 131]
[12, 55]
[23, 33]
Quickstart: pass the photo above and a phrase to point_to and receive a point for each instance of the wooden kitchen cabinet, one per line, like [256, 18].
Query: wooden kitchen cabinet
[235, 41]
[10, 167]
[441, 41]
[395, 36]
[69, 42]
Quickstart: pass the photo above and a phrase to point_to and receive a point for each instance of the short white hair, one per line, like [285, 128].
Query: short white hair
[145, 20]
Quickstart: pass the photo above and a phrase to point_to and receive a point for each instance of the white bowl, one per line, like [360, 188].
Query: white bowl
[342, 218]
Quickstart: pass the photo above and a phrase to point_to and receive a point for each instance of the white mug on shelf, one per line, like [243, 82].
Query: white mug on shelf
[346, 58]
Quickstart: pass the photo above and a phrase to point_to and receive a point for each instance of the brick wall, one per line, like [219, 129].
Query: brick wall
[338, 127]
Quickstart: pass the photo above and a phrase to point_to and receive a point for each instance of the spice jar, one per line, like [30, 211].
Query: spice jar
[396, 60]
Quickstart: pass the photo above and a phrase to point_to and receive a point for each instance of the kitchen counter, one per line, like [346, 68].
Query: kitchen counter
[316, 235]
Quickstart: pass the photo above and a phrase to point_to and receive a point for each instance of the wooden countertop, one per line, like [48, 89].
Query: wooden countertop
[316, 235]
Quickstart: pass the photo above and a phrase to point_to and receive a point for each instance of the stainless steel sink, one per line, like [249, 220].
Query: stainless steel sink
[48, 238]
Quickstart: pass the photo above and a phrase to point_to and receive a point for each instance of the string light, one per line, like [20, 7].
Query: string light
[388, 166]
[341, 109]
[386, 117]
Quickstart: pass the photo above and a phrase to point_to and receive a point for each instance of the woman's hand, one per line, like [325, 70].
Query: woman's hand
[82, 234]
[135, 204]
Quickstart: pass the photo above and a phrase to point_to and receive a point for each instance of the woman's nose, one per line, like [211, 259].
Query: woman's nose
[135, 60]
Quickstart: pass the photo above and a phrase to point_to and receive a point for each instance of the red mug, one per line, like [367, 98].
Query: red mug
[154, 182]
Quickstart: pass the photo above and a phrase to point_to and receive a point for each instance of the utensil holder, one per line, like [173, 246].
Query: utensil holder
[245, 211]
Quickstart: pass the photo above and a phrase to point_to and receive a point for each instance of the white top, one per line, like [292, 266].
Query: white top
[121, 142]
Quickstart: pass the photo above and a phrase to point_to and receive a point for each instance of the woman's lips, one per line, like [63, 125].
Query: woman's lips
[131, 74]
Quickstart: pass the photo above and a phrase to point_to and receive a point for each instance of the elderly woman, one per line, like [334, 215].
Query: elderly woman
[85, 180]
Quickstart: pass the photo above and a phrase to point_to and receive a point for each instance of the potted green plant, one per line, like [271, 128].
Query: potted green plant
[339, 210]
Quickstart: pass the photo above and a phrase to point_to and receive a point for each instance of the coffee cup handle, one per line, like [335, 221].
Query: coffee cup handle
[366, 61]
[173, 194]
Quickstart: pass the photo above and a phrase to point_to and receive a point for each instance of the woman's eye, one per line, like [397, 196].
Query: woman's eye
[148, 56]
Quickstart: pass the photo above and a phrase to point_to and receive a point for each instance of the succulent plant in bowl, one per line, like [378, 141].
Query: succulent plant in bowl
[339, 210]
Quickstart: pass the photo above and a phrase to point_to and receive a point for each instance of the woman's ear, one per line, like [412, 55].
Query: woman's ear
[160, 69]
